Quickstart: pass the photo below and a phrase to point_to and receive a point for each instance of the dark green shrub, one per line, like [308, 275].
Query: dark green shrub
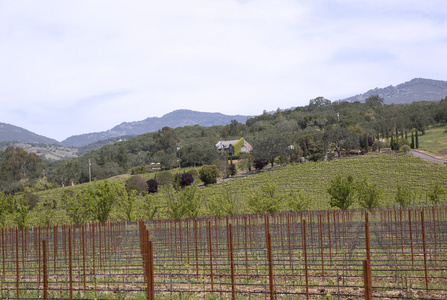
[152, 186]
[186, 179]
[208, 174]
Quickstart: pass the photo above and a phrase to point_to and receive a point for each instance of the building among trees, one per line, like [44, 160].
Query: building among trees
[234, 147]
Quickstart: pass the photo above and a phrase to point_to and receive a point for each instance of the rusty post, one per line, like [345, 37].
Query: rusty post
[425, 253]
[367, 241]
[70, 265]
[211, 255]
[305, 258]
[289, 241]
[411, 236]
[17, 261]
[230, 250]
[329, 236]
[197, 249]
[83, 254]
[270, 262]
[320, 233]
[367, 279]
[45, 273]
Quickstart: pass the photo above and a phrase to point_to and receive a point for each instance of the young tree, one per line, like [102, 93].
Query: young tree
[76, 206]
[183, 203]
[151, 206]
[223, 204]
[341, 192]
[403, 196]
[435, 194]
[21, 211]
[265, 200]
[368, 194]
[101, 200]
[126, 201]
[297, 201]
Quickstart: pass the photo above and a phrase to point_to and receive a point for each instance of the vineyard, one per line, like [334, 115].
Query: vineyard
[385, 254]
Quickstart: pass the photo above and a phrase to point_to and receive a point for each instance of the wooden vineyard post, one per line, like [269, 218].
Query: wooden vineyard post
[211, 255]
[368, 250]
[17, 261]
[230, 250]
[425, 253]
[70, 265]
[411, 236]
[270, 261]
[320, 233]
[305, 258]
[45, 273]
[196, 246]
[329, 236]
[83, 254]
[367, 279]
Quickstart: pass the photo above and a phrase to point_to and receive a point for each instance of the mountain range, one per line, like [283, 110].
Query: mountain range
[177, 118]
[417, 89]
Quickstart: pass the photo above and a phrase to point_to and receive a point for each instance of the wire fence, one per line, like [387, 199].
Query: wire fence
[386, 254]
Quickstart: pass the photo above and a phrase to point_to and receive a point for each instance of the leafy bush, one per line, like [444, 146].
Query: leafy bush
[403, 196]
[184, 203]
[341, 192]
[297, 201]
[435, 194]
[152, 186]
[405, 148]
[223, 204]
[265, 200]
[368, 194]
[165, 178]
[136, 183]
[208, 174]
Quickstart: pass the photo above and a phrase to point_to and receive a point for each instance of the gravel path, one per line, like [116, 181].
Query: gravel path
[427, 156]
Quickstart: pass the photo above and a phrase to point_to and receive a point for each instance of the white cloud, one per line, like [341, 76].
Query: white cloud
[75, 67]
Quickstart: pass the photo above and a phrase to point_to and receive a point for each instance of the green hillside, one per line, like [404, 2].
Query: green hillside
[388, 170]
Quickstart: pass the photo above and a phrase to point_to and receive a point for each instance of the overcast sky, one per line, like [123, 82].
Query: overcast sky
[73, 67]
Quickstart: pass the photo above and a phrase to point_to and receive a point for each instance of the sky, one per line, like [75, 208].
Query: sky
[74, 67]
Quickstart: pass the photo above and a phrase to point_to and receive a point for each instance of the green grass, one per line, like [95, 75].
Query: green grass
[434, 141]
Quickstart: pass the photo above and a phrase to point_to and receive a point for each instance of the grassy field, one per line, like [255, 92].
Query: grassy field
[435, 141]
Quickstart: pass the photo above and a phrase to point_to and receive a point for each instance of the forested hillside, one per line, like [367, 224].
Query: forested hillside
[311, 132]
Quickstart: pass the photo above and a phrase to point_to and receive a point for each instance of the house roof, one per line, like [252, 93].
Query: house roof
[226, 144]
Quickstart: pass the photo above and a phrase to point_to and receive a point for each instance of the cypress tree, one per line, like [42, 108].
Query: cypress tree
[417, 140]
[366, 144]
[412, 140]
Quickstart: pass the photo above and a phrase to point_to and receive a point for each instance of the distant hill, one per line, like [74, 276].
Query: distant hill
[417, 89]
[177, 118]
[11, 133]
